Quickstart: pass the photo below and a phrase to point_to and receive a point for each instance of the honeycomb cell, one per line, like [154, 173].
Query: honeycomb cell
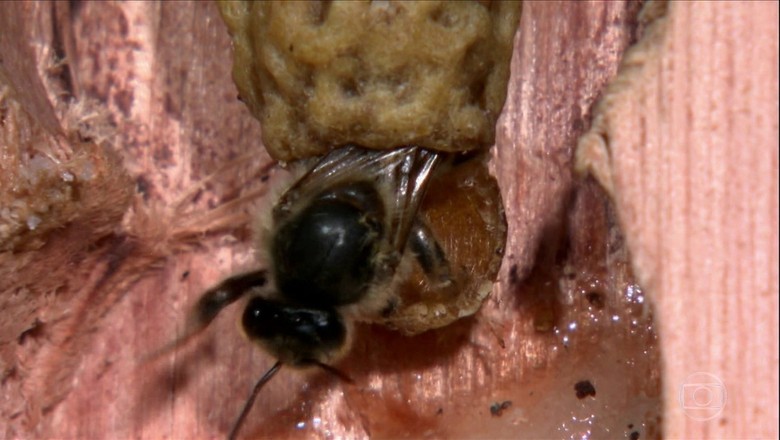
[320, 75]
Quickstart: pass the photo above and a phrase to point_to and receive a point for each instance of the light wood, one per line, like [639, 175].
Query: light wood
[687, 137]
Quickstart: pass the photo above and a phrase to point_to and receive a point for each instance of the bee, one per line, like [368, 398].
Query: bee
[340, 242]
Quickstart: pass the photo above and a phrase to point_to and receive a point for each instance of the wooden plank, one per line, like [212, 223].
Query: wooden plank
[691, 138]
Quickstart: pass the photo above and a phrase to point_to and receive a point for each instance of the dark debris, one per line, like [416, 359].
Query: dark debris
[584, 389]
[498, 408]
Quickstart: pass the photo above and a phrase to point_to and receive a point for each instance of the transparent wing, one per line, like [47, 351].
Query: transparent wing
[405, 171]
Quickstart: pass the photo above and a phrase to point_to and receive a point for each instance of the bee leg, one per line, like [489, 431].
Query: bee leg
[429, 254]
[210, 304]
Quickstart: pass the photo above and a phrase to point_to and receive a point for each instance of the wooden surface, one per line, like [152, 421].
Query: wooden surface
[566, 306]
[691, 130]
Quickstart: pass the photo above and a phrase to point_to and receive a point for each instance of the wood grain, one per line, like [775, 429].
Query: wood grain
[691, 137]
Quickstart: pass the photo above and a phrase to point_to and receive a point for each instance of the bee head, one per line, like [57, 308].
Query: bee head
[297, 336]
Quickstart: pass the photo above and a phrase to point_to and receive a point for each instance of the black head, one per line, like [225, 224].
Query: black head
[296, 336]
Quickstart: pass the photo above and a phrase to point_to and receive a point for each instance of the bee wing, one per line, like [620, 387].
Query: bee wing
[406, 171]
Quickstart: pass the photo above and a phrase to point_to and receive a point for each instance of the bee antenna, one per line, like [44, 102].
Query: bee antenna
[248, 405]
[332, 370]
